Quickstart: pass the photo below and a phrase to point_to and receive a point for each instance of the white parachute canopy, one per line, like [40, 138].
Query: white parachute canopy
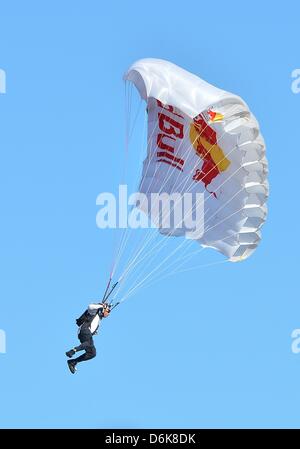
[202, 139]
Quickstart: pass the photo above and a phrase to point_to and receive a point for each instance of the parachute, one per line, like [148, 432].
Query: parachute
[202, 139]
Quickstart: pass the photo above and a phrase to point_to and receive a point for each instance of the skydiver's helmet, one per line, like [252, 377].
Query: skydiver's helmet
[106, 310]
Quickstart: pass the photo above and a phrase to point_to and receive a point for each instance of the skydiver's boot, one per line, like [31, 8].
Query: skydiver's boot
[70, 353]
[72, 366]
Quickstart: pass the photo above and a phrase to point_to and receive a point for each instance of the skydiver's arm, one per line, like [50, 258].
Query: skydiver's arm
[95, 307]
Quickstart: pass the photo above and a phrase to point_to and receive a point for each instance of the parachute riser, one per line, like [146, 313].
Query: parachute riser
[114, 306]
[107, 295]
[106, 290]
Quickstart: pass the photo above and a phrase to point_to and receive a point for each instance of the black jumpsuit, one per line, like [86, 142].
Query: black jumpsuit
[87, 344]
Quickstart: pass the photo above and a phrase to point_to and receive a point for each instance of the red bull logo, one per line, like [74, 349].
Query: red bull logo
[205, 142]
[171, 129]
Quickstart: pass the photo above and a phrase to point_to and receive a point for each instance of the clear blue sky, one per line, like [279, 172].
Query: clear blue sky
[226, 361]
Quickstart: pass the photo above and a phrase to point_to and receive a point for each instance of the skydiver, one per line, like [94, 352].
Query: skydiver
[88, 323]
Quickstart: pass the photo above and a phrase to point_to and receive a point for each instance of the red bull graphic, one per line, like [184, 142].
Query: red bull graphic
[171, 128]
[171, 149]
[205, 142]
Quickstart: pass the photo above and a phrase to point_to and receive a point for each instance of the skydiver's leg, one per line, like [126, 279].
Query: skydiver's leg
[83, 346]
[90, 351]
[85, 336]
[87, 345]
